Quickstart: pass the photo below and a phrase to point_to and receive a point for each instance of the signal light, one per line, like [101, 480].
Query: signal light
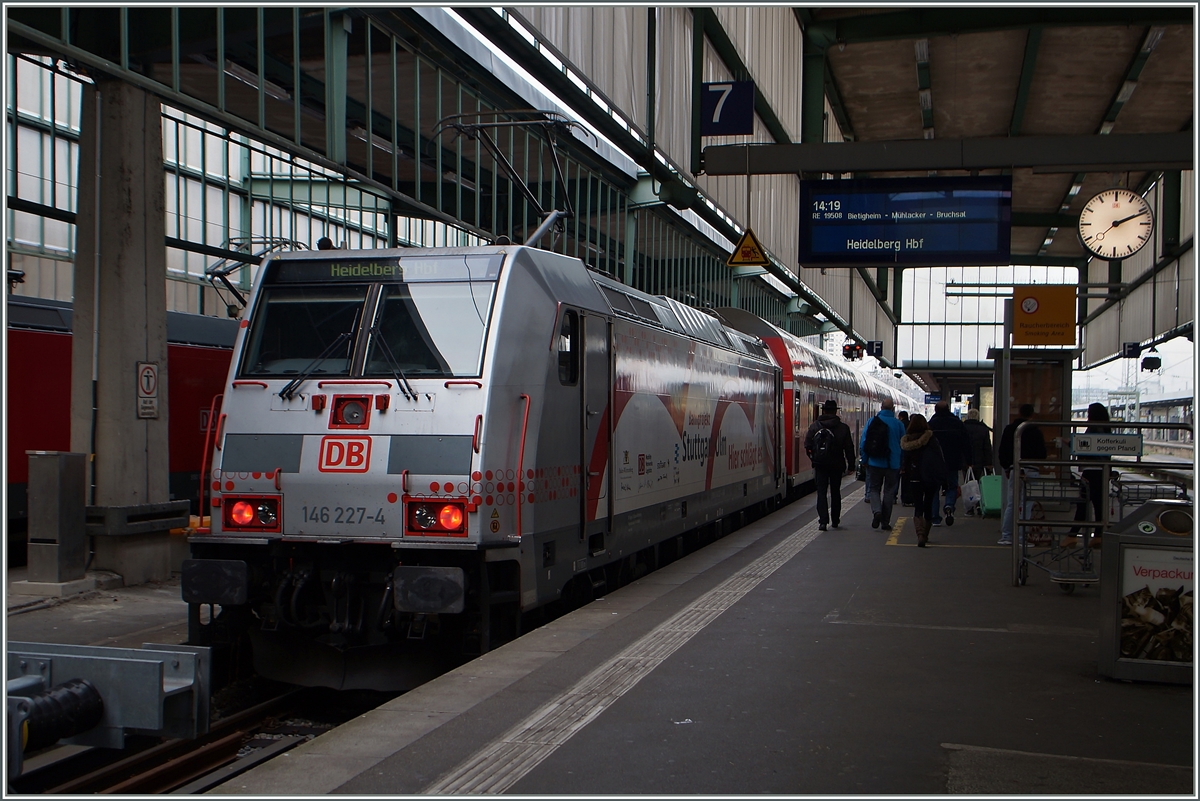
[451, 516]
[852, 350]
[242, 513]
[251, 513]
[350, 411]
[437, 519]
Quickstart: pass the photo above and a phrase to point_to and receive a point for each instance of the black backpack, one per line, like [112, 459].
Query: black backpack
[876, 444]
[824, 447]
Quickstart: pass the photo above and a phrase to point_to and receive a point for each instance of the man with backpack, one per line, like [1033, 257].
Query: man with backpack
[830, 446]
[880, 446]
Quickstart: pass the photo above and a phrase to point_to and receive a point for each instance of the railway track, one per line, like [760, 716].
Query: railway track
[233, 745]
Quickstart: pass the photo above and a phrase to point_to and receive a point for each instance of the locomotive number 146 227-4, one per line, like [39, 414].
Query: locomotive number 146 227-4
[349, 515]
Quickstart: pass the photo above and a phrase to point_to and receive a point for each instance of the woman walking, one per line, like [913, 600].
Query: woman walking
[924, 465]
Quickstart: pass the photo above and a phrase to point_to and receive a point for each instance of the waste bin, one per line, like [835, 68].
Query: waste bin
[1147, 587]
[57, 545]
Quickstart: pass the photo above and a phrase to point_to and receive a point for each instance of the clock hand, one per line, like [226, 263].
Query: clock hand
[1127, 219]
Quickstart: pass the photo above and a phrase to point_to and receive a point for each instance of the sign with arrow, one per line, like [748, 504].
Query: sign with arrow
[748, 252]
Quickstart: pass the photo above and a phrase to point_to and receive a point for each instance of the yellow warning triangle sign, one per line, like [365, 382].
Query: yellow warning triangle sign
[748, 252]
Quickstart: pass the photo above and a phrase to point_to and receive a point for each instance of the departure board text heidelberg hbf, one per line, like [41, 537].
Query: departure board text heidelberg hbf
[919, 221]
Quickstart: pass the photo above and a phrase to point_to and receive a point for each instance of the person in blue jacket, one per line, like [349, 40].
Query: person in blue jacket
[883, 463]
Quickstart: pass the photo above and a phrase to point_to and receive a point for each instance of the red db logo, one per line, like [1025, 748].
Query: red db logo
[345, 455]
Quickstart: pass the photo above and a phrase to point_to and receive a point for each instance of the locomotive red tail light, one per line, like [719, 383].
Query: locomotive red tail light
[256, 513]
[451, 516]
[434, 519]
[242, 513]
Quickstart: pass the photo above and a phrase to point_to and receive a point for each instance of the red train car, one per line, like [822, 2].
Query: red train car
[39, 355]
[809, 378]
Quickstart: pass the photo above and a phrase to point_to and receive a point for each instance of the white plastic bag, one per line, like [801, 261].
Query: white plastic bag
[971, 493]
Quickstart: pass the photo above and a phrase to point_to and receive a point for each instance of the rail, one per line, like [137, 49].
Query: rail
[165, 766]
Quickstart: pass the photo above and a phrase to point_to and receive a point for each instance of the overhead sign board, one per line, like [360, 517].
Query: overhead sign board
[1131, 350]
[875, 347]
[748, 252]
[1044, 315]
[925, 221]
[1106, 444]
[727, 108]
[933, 397]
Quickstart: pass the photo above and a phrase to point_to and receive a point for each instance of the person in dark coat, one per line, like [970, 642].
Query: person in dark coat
[926, 469]
[956, 447]
[980, 437]
[1097, 415]
[829, 471]
[1033, 446]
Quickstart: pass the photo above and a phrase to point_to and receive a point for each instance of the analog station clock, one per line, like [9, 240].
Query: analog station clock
[1115, 224]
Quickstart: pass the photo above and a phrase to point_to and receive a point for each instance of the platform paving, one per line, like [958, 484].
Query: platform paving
[782, 660]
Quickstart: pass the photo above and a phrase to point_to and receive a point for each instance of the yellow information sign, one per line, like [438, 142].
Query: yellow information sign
[1044, 315]
[748, 252]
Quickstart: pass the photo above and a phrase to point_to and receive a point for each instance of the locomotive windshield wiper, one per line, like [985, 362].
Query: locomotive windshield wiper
[291, 386]
[401, 379]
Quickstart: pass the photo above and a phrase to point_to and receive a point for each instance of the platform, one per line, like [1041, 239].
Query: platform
[781, 660]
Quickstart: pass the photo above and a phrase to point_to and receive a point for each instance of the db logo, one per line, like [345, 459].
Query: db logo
[345, 455]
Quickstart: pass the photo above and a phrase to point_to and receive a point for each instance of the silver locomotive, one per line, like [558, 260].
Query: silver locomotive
[440, 440]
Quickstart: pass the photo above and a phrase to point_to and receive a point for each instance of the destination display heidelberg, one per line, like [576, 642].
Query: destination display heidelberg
[925, 221]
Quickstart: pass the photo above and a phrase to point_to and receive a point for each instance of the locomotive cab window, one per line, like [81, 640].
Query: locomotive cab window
[568, 349]
[431, 329]
[298, 328]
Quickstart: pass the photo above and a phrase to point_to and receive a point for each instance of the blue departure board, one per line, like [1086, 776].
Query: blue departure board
[917, 221]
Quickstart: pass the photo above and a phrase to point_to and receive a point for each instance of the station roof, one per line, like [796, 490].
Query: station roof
[896, 74]
[1077, 71]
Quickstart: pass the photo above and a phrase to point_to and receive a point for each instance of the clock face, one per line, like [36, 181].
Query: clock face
[1115, 224]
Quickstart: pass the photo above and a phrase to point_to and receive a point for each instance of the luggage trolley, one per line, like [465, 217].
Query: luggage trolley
[1048, 536]
[1045, 524]
[1137, 492]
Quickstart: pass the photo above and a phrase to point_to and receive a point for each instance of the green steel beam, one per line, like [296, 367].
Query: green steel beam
[804, 18]
[1160, 151]
[337, 42]
[49, 43]
[733, 60]
[1032, 42]
[698, 15]
[930, 22]
[812, 94]
[1027, 219]
[1169, 215]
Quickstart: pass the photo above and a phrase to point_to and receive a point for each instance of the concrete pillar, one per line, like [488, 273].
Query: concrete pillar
[120, 314]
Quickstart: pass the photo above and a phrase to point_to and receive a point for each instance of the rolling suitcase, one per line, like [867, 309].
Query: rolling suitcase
[989, 496]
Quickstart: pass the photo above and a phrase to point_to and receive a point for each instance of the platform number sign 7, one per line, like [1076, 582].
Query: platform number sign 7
[727, 108]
